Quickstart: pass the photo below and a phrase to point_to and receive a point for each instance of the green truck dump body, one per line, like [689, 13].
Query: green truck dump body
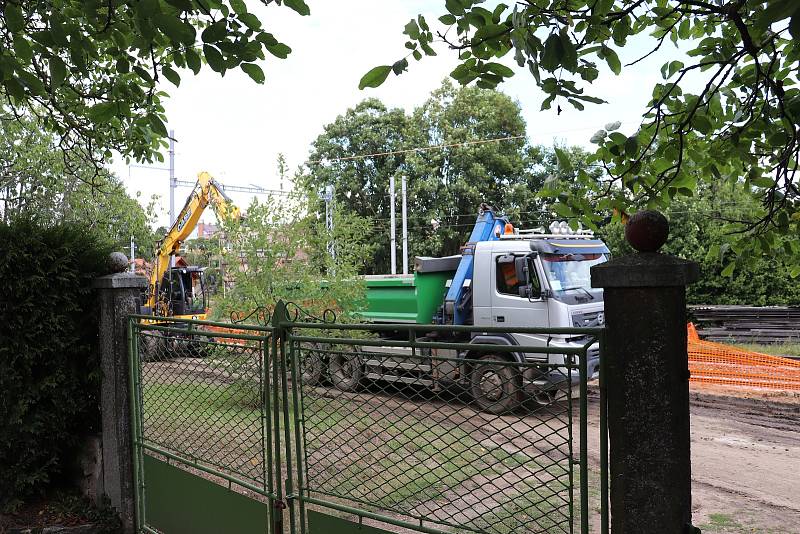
[409, 298]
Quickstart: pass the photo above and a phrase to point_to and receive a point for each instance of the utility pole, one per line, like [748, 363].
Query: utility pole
[172, 186]
[393, 237]
[328, 196]
[133, 256]
[405, 226]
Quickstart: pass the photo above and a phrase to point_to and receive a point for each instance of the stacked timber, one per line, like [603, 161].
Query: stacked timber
[748, 324]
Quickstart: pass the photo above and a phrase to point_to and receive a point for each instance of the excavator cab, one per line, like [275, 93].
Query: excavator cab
[183, 292]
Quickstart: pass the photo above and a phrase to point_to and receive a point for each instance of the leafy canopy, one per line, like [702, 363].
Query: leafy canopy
[89, 70]
[739, 126]
[280, 252]
[38, 184]
[364, 147]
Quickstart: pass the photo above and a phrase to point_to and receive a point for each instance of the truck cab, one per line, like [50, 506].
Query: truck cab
[536, 279]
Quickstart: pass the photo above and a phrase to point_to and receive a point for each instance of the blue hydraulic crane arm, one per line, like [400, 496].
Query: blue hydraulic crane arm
[488, 227]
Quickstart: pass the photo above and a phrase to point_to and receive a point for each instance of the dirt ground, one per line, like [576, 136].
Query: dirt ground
[745, 460]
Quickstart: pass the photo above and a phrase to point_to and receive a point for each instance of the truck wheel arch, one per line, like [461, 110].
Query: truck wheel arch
[493, 339]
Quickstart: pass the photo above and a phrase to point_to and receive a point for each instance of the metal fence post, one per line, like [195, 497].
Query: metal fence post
[118, 296]
[647, 380]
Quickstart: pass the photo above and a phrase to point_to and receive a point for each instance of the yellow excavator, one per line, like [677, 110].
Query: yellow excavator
[180, 291]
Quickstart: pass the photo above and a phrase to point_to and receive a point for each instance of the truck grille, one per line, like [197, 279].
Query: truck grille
[588, 319]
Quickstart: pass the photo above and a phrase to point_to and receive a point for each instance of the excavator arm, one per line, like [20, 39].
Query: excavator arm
[206, 192]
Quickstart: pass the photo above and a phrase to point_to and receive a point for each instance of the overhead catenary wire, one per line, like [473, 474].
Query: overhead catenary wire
[442, 146]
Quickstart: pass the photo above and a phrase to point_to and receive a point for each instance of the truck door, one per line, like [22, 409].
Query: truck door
[511, 304]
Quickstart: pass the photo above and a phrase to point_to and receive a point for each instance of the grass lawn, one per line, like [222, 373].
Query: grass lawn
[777, 349]
[399, 461]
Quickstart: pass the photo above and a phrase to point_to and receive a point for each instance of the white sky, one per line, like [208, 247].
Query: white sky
[234, 128]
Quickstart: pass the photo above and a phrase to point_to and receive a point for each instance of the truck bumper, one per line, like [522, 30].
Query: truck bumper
[558, 377]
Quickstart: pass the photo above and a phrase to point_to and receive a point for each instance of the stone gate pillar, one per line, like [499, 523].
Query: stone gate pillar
[647, 378]
[118, 296]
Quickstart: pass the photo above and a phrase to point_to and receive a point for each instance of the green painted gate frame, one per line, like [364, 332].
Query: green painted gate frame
[288, 494]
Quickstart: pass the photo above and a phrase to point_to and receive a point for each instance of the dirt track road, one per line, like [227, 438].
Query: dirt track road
[745, 463]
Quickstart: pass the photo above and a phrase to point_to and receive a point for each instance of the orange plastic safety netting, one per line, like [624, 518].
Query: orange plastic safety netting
[715, 363]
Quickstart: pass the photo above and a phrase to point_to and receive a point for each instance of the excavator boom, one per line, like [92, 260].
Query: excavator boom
[206, 192]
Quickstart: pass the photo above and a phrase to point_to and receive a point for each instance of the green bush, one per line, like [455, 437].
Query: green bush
[697, 230]
[49, 363]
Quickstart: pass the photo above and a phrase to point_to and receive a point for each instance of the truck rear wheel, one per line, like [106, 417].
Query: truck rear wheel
[496, 385]
[346, 371]
[311, 364]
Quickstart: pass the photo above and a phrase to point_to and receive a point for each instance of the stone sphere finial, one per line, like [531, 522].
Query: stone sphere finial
[117, 262]
[647, 231]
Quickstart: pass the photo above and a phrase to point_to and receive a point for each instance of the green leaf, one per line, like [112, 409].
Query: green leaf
[157, 125]
[454, 7]
[254, 71]
[214, 58]
[714, 253]
[762, 181]
[298, 5]
[58, 71]
[631, 146]
[499, 69]
[14, 88]
[251, 21]
[552, 54]
[103, 112]
[171, 75]
[279, 50]
[175, 29]
[795, 272]
[23, 49]
[794, 26]
[375, 77]
[728, 270]
[215, 32]
[447, 20]
[563, 210]
[570, 57]
[31, 81]
[411, 29]
[563, 160]
[776, 10]
[192, 60]
[702, 124]
[611, 59]
[239, 7]
[14, 19]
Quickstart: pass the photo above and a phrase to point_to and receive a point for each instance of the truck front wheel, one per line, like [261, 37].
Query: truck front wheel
[496, 385]
[346, 372]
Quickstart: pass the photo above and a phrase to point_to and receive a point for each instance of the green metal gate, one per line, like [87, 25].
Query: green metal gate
[311, 426]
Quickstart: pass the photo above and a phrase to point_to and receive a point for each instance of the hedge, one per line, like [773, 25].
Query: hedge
[49, 363]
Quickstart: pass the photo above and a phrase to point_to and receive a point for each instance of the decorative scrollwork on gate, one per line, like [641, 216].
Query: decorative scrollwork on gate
[296, 313]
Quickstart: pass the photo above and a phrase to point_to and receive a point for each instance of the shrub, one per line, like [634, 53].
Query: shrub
[49, 363]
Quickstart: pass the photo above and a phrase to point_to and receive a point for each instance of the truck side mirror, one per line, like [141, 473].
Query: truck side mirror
[521, 267]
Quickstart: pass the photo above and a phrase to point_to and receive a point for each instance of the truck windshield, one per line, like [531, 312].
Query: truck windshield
[570, 272]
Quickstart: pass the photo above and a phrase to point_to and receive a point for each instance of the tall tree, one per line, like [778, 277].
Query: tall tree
[89, 71]
[484, 157]
[356, 154]
[35, 184]
[461, 148]
[741, 126]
